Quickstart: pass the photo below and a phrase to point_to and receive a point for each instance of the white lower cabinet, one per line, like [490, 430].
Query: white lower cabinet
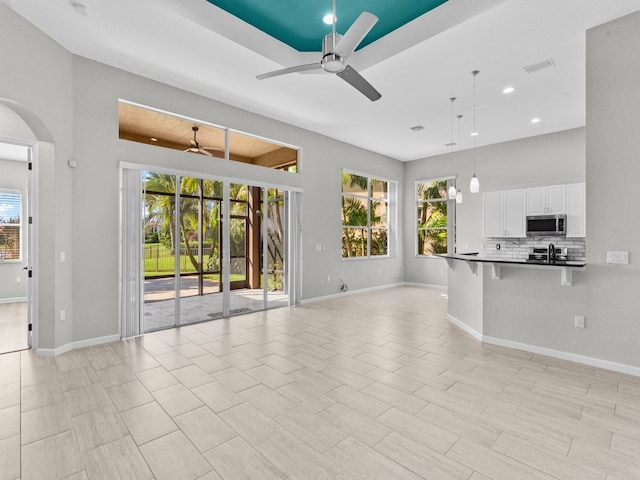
[504, 214]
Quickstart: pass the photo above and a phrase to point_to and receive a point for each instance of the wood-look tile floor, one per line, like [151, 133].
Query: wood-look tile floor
[370, 386]
[13, 326]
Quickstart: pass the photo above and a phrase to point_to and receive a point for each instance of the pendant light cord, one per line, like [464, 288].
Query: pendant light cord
[475, 132]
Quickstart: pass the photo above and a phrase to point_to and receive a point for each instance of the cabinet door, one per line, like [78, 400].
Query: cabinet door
[535, 201]
[555, 199]
[493, 214]
[576, 210]
[514, 213]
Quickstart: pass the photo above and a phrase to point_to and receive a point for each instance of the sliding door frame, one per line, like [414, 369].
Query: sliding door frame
[129, 296]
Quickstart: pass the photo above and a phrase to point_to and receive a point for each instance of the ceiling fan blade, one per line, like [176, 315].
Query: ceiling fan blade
[353, 78]
[356, 33]
[284, 71]
[204, 152]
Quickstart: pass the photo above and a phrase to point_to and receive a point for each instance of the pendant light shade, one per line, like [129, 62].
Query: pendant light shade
[453, 191]
[474, 184]
[459, 197]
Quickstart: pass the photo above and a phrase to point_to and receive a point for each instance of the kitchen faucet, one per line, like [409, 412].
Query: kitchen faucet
[551, 254]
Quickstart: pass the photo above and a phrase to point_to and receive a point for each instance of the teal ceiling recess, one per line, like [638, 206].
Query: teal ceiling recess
[298, 23]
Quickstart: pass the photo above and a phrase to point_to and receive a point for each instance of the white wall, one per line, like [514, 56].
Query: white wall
[98, 151]
[541, 159]
[613, 170]
[39, 88]
[13, 281]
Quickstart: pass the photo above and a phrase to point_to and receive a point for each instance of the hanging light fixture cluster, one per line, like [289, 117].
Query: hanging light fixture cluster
[454, 193]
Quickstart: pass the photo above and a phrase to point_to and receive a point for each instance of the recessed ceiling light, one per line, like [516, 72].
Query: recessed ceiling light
[474, 134]
[328, 19]
[508, 90]
[535, 120]
[153, 139]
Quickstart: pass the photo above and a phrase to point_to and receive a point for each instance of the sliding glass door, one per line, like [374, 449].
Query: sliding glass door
[189, 255]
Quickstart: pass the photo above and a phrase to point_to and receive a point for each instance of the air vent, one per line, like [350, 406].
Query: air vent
[417, 128]
[539, 66]
[453, 144]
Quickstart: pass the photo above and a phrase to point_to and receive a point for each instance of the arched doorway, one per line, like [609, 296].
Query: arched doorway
[24, 142]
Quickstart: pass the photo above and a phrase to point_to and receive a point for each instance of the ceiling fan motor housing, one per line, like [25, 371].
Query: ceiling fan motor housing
[331, 61]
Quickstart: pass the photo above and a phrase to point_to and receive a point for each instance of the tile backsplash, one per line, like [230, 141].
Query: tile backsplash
[519, 247]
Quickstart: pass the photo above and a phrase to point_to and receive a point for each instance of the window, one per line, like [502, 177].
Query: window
[10, 225]
[435, 215]
[153, 127]
[365, 216]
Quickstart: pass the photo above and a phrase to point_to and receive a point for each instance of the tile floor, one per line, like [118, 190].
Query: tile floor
[13, 326]
[160, 314]
[370, 386]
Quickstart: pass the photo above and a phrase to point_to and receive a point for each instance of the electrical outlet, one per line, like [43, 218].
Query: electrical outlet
[18, 280]
[63, 257]
[319, 247]
[579, 321]
[63, 314]
[621, 258]
[328, 278]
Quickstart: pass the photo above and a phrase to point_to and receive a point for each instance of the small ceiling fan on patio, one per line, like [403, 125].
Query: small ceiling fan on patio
[195, 146]
[336, 50]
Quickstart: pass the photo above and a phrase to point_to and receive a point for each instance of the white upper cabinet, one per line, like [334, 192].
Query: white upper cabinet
[547, 200]
[504, 214]
[576, 210]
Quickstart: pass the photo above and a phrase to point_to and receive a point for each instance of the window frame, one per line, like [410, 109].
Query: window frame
[391, 207]
[19, 225]
[451, 214]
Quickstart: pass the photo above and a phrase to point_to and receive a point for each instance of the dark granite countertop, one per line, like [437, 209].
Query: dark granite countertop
[474, 257]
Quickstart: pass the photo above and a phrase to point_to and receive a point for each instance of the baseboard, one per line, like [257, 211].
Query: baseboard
[349, 292]
[425, 285]
[465, 327]
[13, 300]
[90, 342]
[572, 357]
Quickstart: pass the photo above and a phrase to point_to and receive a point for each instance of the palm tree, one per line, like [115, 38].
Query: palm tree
[433, 218]
[357, 212]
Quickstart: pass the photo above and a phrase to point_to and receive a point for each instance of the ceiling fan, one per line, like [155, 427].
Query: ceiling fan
[195, 146]
[336, 50]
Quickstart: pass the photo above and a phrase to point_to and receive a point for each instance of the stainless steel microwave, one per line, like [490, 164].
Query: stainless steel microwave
[546, 225]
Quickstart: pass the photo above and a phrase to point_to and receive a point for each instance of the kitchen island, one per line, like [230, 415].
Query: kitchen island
[518, 303]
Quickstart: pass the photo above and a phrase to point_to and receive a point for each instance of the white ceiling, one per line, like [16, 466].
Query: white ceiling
[197, 47]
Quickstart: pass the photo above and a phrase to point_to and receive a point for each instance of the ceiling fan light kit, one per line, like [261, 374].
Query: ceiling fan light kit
[336, 50]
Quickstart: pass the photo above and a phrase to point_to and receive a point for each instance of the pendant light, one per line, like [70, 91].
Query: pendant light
[474, 184]
[452, 189]
[459, 197]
